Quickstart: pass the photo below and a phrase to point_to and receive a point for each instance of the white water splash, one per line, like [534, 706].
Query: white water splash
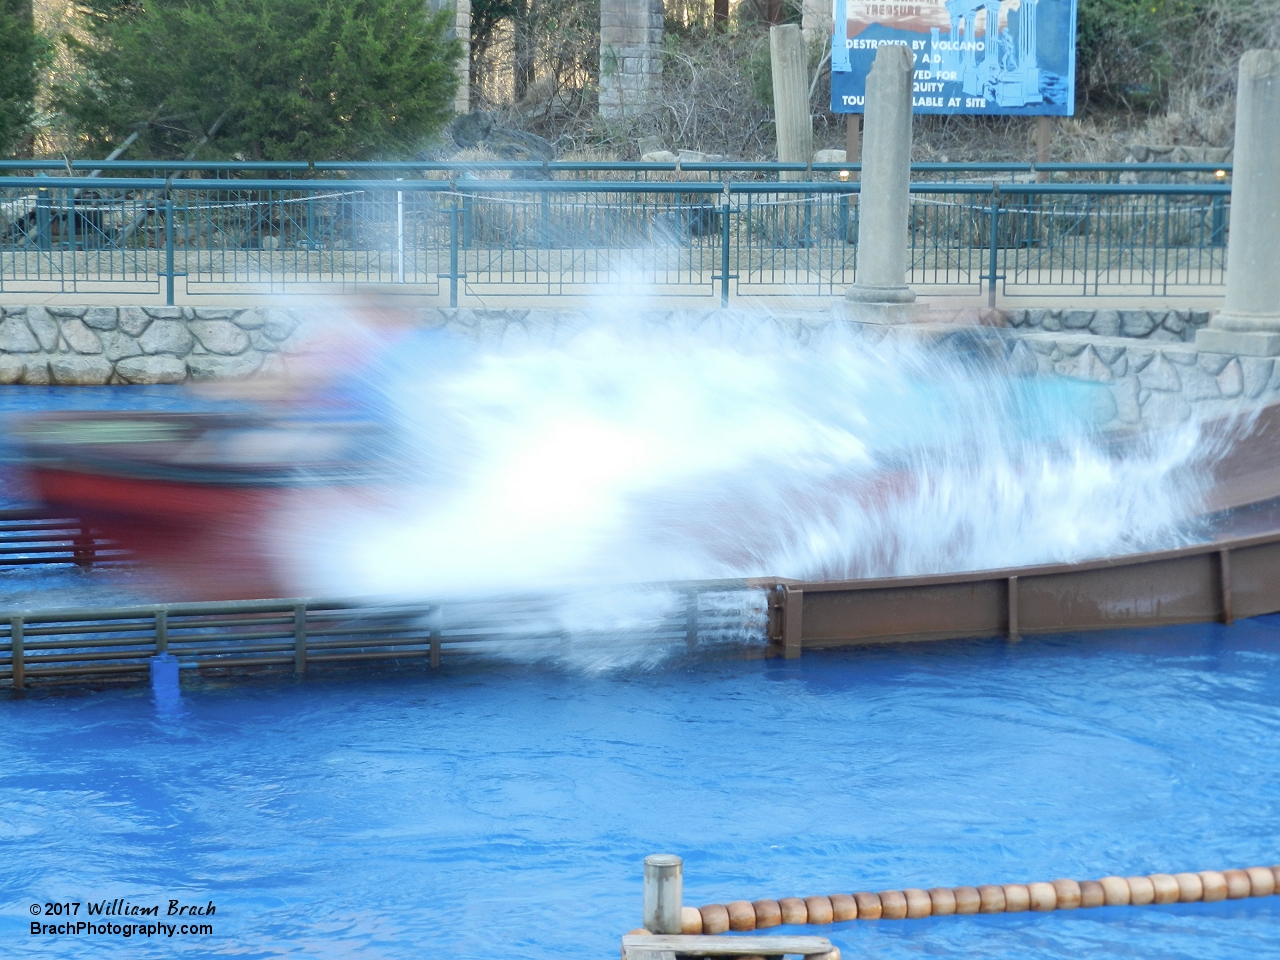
[635, 452]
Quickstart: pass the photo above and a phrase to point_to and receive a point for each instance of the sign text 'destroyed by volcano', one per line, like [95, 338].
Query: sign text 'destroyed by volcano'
[971, 56]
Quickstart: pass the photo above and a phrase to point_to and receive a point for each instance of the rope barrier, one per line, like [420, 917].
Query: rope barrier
[1207, 886]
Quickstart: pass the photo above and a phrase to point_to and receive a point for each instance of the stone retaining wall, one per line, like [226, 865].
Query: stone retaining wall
[1177, 325]
[98, 345]
[1153, 376]
[1153, 383]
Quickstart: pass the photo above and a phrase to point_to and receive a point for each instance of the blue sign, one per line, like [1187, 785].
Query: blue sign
[1004, 57]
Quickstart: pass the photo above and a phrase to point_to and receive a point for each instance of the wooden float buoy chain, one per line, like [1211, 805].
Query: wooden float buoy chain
[1207, 885]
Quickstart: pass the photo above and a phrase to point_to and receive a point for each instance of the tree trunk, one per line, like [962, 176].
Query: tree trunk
[26, 17]
[525, 52]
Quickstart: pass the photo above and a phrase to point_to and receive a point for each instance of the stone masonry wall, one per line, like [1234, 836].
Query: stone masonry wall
[1154, 383]
[1177, 325]
[99, 345]
[1154, 376]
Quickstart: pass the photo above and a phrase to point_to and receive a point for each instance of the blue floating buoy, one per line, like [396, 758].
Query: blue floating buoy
[164, 676]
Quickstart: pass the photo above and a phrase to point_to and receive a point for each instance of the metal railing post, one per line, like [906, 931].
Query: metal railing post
[44, 219]
[1218, 224]
[995, 239]
[455, 222]
[162, 630]
[300, 638]
[311, 221]
[400, 235]
[15, 647]
[168, 251]
[71, 226]
[724, 249]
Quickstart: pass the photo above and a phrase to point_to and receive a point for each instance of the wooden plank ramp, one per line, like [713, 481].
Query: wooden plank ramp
[674, 945]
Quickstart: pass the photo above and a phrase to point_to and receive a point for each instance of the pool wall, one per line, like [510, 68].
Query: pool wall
[1145, 369]
[81, 346]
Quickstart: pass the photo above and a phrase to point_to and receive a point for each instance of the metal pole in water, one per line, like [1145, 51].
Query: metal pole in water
[663, 892]
[15, 647]
[435, 638]
[300, 638]
[691, 621]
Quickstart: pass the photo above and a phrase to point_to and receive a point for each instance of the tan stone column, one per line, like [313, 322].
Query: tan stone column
[792, 123]
[1249, 322]
[880, 293]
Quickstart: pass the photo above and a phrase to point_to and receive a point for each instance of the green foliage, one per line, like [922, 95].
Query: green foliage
[289, 79]
[1122, 50]
[20, 50]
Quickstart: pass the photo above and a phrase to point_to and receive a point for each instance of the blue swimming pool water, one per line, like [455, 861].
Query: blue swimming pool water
[500, 810]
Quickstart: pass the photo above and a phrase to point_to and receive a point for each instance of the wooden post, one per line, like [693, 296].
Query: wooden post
[663, 892]
[792, 622]
[691, 621]
[791, 119]
[162, 630]
[853, 138]
[1013, 609]
[1224, 572]
[300, 638]
[1044, 138]
[435, 638]
[15, 647]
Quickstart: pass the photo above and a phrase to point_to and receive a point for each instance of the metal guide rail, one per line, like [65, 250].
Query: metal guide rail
[526, 237]
[1215, 581]
[73, 645]
[37, 537]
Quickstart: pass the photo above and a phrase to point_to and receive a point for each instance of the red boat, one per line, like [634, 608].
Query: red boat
[194, 494]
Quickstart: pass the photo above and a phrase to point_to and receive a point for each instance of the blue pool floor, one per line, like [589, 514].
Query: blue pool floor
[503, 810]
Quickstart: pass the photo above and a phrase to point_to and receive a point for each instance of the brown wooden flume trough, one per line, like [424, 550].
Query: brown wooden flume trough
[1218, 581]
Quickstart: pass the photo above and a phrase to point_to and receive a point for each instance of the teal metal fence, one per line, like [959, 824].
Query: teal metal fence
[448, 233]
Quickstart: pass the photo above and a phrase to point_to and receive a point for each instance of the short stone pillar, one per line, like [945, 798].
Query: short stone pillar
[880, 293]
[630, 56]
[1249, 322]
[791, 120]
[663, 892]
